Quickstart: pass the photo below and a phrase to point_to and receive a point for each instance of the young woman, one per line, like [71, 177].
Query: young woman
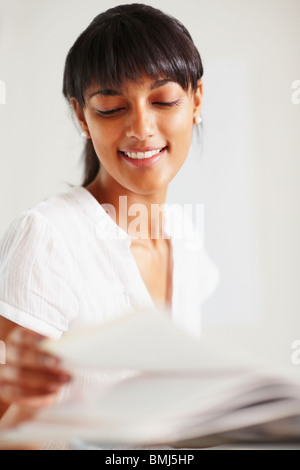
[133, 79]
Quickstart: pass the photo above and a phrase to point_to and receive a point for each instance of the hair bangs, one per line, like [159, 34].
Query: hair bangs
[128, 48]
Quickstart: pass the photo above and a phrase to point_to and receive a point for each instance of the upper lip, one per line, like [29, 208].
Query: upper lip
[142, 150]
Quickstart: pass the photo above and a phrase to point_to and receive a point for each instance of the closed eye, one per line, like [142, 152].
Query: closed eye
[168, 104]
[109, 112]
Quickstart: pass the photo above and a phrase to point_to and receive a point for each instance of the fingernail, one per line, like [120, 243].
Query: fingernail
[64, 378]
[50, 361]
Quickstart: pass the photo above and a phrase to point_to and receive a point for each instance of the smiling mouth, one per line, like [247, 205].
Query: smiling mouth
[143, 155]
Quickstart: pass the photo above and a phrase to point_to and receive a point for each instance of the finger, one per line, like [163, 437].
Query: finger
[31, 358]
[7, 445]
[24, 337]
[22, 348]
[32, 379]
[37, 399]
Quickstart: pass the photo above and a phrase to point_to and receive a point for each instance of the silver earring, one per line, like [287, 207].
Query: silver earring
[84, 135]
[198, 120]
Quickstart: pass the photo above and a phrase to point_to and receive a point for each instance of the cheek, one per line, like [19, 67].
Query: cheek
[180, 129]
[105, 138]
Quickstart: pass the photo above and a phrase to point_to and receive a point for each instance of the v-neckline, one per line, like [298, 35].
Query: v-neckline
[114, 229]
[170, 280]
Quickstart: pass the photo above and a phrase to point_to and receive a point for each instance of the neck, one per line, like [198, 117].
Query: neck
[140, 215]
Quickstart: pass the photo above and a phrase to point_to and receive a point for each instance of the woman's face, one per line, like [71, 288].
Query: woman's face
[141, 132]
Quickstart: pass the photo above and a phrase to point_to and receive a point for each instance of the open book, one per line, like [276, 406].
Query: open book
[142, 381]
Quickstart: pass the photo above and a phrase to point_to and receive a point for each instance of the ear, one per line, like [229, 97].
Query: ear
[198, 100]
[81, 118]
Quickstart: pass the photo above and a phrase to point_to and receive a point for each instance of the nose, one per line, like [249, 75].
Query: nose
[140, 124]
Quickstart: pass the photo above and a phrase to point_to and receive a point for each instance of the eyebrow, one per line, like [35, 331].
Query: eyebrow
[112, 92]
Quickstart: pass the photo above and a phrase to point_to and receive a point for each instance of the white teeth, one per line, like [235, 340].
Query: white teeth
[141, 155]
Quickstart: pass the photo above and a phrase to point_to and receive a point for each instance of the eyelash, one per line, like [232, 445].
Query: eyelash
[114, 111]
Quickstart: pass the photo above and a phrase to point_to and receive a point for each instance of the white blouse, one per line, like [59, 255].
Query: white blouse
[66, 264]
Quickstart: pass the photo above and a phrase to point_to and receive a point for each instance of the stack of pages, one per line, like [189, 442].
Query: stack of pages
[143, 381]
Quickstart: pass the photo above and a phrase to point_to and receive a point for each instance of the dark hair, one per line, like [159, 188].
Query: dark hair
[125, 43]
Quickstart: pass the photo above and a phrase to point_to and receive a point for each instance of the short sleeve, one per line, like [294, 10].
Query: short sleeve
[35, 276]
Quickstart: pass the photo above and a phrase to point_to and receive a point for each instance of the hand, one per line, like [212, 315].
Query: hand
[31, 378]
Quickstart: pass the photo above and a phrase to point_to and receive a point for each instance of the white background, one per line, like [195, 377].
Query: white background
[247, 175]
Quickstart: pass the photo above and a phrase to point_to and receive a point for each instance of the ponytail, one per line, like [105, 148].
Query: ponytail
[91, 163]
